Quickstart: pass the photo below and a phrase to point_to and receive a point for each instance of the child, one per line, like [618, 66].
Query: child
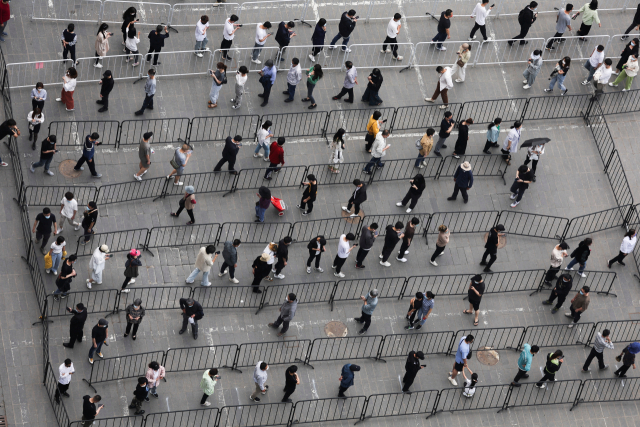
[139, 396]
[469, 384]
[55, 253]
[131, 45]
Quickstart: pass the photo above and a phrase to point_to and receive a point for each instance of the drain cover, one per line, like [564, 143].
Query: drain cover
[356, 220]
[66, 169]
[335, 329]
[488, 357]
[502, 240]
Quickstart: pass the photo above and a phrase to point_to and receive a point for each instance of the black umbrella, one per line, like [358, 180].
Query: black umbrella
[535, 141]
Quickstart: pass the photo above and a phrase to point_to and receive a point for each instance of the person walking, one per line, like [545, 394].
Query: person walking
[287, 312]
[207, 385]
[371, 93]
[426, 145]
[276, 157]
[594, 63]
[180, 159]
[65, 371]
[460, 66]
[191, 313]
[446, 126]
[393, 29]
[373, 127]
[424, 310]
[291, 380]
[293, 78]
[469, 384]
[88, 154]
[317, 38]
[219, 78]
[368, 236]
[442, 88]
[102, 43]
[634, 24]
[524, 362]
[230, 256]
[347, 378]
[201, 36]
[358, 197]
[524, 177]
[89, 410]
[35, 119]
[155, 373]
[262, 35]
[580, 256]
[63, 281]
[601, 342]
[493, 133]
[628, 358]
[628, 245]
[55, 253]
[263, 203]
[474, 295]
[343, 253]
[414, 193]
[308, 195]
[444, 25]
[409, 232]
[443, 239]
[264, 140]
[480, 13]
[558, 254]
[135, 313]
[283, 257]
[139, 396]
[554, 361]
[630, 48]
[47, 150]
[106, 86]
[316, 246]
[144, 155]
[149, 92]
[228, 33]
[38, 97]
[5, 16]
[463, 137]
[260, 380]
[412, 366]
[76, 323]
[204, 261]
[188, 202]
[156, 43]
[589, 13]
[99, 334]
[348, 21]
[560, 291]
[391, 239]
[464, 348]
[629, 71]
[350, 81]
[314, 74]
[533, 155]
[414, 306]
[260, 269]
[89, 219]
[526, 18]
[241, 79]
[534, 64]
[267, 80]
[68, 87]
[563, 23]
[558, 75]
[131, 266]
[68, 40]
[378, 149]
[491, 247]
[579, 305]
[463, 179]
[369, 304]
[229, 154]
[602, 76]
[510, 144]
[96, 265]
[283, 36]
[42, 226]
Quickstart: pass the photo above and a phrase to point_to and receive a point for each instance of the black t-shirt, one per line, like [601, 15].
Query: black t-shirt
[492, 240]
[90, 218]
[88, 408]
[99, 334]
[47, 146]
[5, 130]
[444, 127]
[391, 236]
[444, 24]
[310, 190]
[290, 381]
[527, 176]
[44, 223]
[473, 297]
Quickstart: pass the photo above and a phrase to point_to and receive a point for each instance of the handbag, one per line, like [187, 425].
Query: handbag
[459, 63]
[174, 164]
[470, 354]
[418, 144]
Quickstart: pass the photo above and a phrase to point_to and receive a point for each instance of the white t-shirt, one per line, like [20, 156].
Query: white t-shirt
[392, 29]
[69, 207]
[605, 74]
[480, 13]
[343, 247]
[468, 391]
[57, 249]
[65, 374]
[260, 34]
[262, 137]
[200, 28]
[241, 80]
[132, 44]
[596, 58]
[228, 29]
[270, 252]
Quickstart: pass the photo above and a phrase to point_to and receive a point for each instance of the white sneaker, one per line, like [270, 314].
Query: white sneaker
[429, 100]
[401, 259]
[199, 55]
[385, 51]
[136, 177]
[441, 48]
[344, 208]
[312, 58]
[347, 50]
[459, 81]
[319, 270]
[582, 275]
[256, 155]
[206, 285]
[472, 38]
[308, 270]
[98, 65]
[88, 285]
[526, 87]
[338, 274]
[525, 81]
[385, 264]
[256, 61]
[399, 204]
[612, 85]
[126, 291]
[453, 381]
[399, 58]
[266, 159]
[380, 256]
[624, 90]
[51, 173]
[60, 230]
[48, 270]
[234, 280]
[59, 99]
[513, 196]
[179, 183]
[279, 276]
[408, 210]
[584, 83]
[131, 281]
[77, 228]
[406, 252]
[273, 270]
[206, 403]
[569, 268]
[223, 273]
[514, 204]
[433, 263]
[422, 165]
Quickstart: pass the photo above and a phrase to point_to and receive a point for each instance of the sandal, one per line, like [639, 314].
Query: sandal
[190, 223]
[173, 214]
[467, 312]
[474, 324]
[212, 105]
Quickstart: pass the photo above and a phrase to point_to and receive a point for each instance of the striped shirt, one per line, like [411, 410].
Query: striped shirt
[600, 344]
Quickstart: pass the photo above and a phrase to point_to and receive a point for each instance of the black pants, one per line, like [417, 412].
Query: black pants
[411, 196]
[465, 196]
[224, 47]
[232, 269]
[366, 319]
[361, 255]
[437, 252]
[556, 38]
[280, 321]
[534, 164]
[69, 50]
[338, 263]
[256, 281]
[551, 274]
[584, 30]
[622, 370]
[413, 315]
[76, 335]
[155, 57]
[125, 283]
[90, 162]
[266, 91]
[308, 205]
[344, 92]
[631, 27]
[39, 104]
[287, 394]
[231, 160]
[316, 50]
[519, 189]
[386, 252]
[352, 203]
[313, 254]
[279, 266]
[61, 389]
[104, 101]
[547, 377]
[482, 28]
[341, 391]
[407, 380]
[135, 328]
[618, 258]
[97, 58]
[205, 396]
[147, 103]
[491, 253]
[561, 298]
[403, 248]
[598, 356]
[575, 314]
[393, 42]
[185, 322]
[87, 234]
[521, 36]
[189, 212]
[521, 374]
[272, 168]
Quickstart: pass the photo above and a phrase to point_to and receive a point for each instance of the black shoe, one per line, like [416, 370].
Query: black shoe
[621, 263]
[65, 394]
[57, 399]
[100, 101]
[609, 264]
[488, 270]
[103, 109]
[140, 412]
[195, 336]
[359, 320]
[66, 344]
[285, 92]
[261, 95]
[534, 178]
[437, 154]
[264, 104]
[228, 58]
[287, 401]
[451, 198]
[126, 335]
[288, 100]
[483, 263]
[139, 113]
[146, 399]
[514, 384]
[181, 331]
[362, 331]
[525, 376]
[359, 266]
[486, 152]
[257, 291]
[30, 136]
[132, 407]
[444, 146]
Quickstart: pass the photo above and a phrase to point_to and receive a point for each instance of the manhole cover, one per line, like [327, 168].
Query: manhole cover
[502, 240]
[335, 329]
[356, 220]
[488, 357]
[66, 169]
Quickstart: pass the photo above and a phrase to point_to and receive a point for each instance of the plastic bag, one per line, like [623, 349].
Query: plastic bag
[48, 262]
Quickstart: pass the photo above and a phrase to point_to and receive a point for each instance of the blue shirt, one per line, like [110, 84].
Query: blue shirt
[89, 148]
[271, 73]
[371, 304]
[427, 304]
[463, 350]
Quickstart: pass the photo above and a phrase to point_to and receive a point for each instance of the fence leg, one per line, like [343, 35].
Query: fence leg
[115, 310]
[435, 406]
[234, 185]
[264, 297]
[379, 352]
[606, 165]
[426, 229]
[364, 411]
[335, 289]
[89, 382]
[43, 316]
[578, 398]
[164, 191]
[404, 288]
[505, 405]
[145, 245]
[169, 27]
[304, 13]
[540, 285]
[234, 367]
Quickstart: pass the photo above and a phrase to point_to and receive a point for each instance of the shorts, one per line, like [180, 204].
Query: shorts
[458, 366]
[475, 304]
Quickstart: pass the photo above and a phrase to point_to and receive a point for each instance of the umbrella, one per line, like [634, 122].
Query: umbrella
[535, 141]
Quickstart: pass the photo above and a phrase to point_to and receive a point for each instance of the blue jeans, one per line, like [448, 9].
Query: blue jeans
[200, 45]
[419, 316]
[43, 162]
[440, 37]
[557, 78]
[574, 262]
[419, 160]
[292, 90]
[55, 262]
[213, 94]
[345, 40]
[194, 274]
[373, 161]
[97, 349]
[266, 149]
[260, 213]
[58, 292]
[591, 69]
[257, 48]
[147, 103]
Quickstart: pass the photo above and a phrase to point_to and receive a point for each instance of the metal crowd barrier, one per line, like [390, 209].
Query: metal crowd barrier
[148, 13]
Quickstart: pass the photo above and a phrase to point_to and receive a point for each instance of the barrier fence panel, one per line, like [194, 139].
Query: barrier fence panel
[617, 44]
[132, 190]
[597, 221]
[73, 133]
[397, 345]
[533, 225]
[481, 165]
[306, 293]
[96, 301]
[500, 52]
[485, 397]
[404, 169]
[182, 63]
[254, 178]
[36, 275]
[556, 393]
[557, 335]
[148, 13]
[350, 290]
[397, 404]
[329, 59]
[52, 195]
[117, 64]
[486, 111]
[601, 134]
[575, 48]
[265, 414]
[187, 14]
[256, 12]
[67, 10]
[425, 54]
[155, 298]
[121, 367]
[200, 358]
[463, 222]
[328, 409]
[243, 55]
[183, 235]
[165, 131]
[348, 172]
[369, 56]
[619, 102]
[131, 421]
[25, 74]
[404, 218]
[557, 107]
[51, 385]
[490, 338]
[117, 241]
[203, 182]
[193, 417]
[254, 232]
[330, 228]
[274, 352]
[621, 330]
[355, 121]
[347, 348]
[218, 128]
[227, 296]
[609, 390]
[618, 180]
[422, 116]
[599, 282]
[297, 124]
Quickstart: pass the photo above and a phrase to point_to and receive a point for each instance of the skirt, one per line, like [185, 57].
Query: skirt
[67, 98]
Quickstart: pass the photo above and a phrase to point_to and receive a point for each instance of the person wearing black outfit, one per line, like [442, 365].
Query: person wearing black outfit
[474, 295]
[414, 306]
[69, 40]
[412, 367]
[66, 275]
[260, 270]
[139, 396]
[291, 380]
[358, 197]
[156, 42]
[191, 309]
[524, 177]
[391, 239]
[346, 26]
[283, 36]
[42, 227]
[89, 219]
[554, 361]
[526, 18]
[371, 93]
[76, 324]
[629, 49]
[418, 184]
[106, 87]
[463, 181]
[283, 256]
[409, 231]
[444, 23]
[47, 150]
[580, 256]
[316, 247]
[560, 291]
[99, 334]
[89, 410]
[229, 153]
[628, 359]
[491, 247]
[446, 126]
[128, 16]
[88, 154]
[635, 23]
[463, 137]
[367, 238]
[309, 195]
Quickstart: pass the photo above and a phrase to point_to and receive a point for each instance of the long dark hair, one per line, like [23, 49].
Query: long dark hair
[495, 122]
[321, 22]
[102, 29]
[630, 233]
[131, 11]
[556, 354]
[419, 181]
[586, 242]
[338, 135]
[474, 380]
[317, 71]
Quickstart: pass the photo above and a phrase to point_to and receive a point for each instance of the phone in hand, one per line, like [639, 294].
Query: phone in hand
[217, 252]
[100, 406]
[424, 366]
[384, 121]
[271, 33]
[357, 17]
[355, 244]
[493, 5]
[240, 25]
[218, 377]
